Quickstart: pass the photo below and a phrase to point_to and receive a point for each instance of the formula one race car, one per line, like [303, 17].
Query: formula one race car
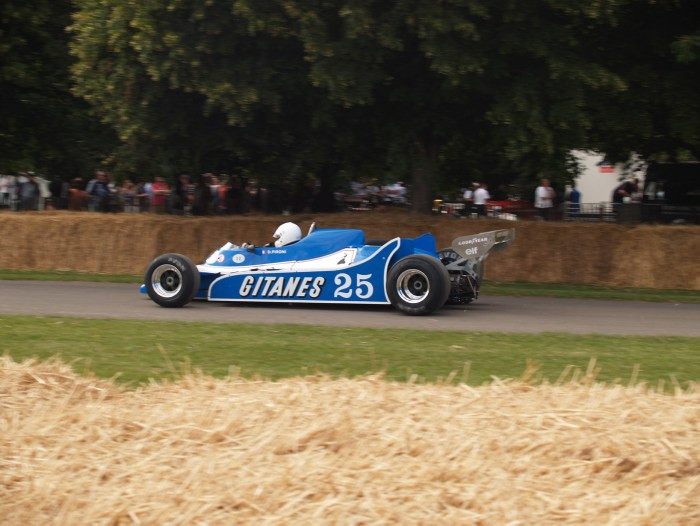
[331, 265]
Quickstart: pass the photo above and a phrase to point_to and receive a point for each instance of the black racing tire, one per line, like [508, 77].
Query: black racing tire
[172, 280]
[418, 285]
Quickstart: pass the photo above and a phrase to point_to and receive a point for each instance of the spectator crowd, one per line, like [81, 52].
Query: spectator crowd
[368, 194]
[206, 194]
[210, 194]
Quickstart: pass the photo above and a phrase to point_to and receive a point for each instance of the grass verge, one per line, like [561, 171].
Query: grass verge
[138, 350]
[67, 275]
[491, 288]
[563, 290]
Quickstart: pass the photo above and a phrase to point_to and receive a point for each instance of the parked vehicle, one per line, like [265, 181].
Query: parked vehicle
[672, 193]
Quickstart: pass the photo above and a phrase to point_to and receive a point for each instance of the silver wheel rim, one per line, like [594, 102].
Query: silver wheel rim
[166, 281]
[412, 286]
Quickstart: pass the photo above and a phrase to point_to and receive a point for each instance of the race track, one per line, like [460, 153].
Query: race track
[489, 313]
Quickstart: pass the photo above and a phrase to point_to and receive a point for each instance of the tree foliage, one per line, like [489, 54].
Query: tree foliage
[655, 50]
[440, 93]
[43, 127]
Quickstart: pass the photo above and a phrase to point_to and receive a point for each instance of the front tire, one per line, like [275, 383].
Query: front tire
[172, 280]
[418, 285]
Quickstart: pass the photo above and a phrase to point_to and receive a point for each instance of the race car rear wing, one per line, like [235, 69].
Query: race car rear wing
[481, 245]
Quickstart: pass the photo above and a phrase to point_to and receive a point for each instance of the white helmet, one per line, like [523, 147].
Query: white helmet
[286, 234]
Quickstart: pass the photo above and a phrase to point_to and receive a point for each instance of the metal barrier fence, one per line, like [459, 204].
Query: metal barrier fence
[624, 213]
[632, 213]
[590, 212]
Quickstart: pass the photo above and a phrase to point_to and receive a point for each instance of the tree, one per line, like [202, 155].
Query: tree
[44, 127]
[498, 91]
[655, 110]
[504, 81]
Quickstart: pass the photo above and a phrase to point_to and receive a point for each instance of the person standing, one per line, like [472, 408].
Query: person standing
[78, 198]
[468, 199]
[5, 183]
[481, 197]
[148, 189]
[544, 198]
[57, 195]
[201, 201]
[573, 200]
[179, 196]
[161, 190]
[98, 190]
[143, 200]
[127, 194]
[88, 190]
[624, 192]
[29, 193]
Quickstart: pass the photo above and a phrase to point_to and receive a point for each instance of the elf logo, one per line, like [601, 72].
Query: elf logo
[281, 287]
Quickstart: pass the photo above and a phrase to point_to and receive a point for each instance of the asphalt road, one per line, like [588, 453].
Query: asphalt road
[489, 313]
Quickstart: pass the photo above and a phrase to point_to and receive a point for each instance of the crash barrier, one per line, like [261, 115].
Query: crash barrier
[632, 213]
[608, 254]
[591, 212]
[663, 213]
[605, 212]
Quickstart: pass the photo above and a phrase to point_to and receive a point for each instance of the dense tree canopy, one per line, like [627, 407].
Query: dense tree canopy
[439, 93]
[655, 50]
[43, 127]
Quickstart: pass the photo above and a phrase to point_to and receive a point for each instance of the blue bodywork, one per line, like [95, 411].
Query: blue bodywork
[327, 266]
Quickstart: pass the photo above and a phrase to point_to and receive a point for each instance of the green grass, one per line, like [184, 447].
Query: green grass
[490, 288]
[563, 290]
[139, 350]
[67, 275]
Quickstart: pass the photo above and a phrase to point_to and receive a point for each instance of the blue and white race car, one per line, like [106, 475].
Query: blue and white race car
[330, 265]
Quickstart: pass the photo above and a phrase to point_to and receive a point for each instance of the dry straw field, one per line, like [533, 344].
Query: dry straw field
[663, 257]
[75, 450]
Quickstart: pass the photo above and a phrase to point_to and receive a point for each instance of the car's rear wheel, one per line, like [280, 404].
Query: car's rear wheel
[172, 280]
[418, 285]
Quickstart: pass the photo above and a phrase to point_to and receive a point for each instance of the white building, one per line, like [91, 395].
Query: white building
[598, 179]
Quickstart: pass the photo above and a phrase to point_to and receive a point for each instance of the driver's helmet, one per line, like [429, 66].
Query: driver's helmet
[286, 234]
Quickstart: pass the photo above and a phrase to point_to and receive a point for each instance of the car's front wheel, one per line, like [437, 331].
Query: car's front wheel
[418, 285]
[172, 280]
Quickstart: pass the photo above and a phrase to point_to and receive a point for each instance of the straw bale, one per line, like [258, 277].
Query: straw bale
[648, 256]
[313, 450]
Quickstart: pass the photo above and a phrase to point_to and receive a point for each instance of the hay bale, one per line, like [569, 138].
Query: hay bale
[317, 451]
[644, 256]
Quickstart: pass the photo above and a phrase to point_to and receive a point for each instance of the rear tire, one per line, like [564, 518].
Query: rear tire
[418, 285]
[172, 280]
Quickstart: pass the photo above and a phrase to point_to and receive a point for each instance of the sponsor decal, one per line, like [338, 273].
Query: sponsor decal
[471, 251]
[473, 241]
[281, 287]
[220, 258]
[238, 258]
[179, 264]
